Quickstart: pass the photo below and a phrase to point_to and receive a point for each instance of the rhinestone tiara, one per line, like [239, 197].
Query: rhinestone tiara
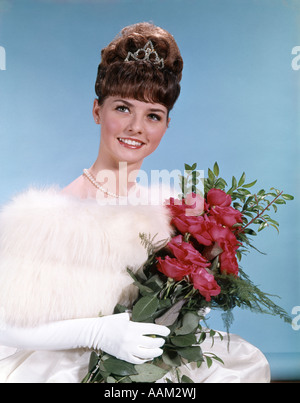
[147, 53]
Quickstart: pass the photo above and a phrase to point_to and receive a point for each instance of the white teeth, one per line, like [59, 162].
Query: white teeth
[131, 142]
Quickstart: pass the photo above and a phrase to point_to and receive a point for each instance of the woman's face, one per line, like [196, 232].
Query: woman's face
[130, 129]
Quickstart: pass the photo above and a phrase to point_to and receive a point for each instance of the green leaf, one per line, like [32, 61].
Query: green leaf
[202, 337]
[213, 357]
[230, 191]
[209, 361]
[171, 358]
[186, 379]
[249, 185]
[191, 354]
[165, 303]
[155, 283]
[249, 231]
[145, 308]
[220, 184]
[144, 290]
[287, 197]
[110, 379]
[260, 192]
[190, 323]
[262, 226]
[148, 373]
[211, 175]
[216, 169]
[242, 179]
[212, 333]
[270, 220]
[120, 309]
[99, 377]
[94, 358]
[234, 183]
[119, 367]
[184, 341]
[272, 225]
[244, 192]
[280, 201]
[125, 379]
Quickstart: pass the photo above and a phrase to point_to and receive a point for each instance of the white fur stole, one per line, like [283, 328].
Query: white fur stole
[64, 258]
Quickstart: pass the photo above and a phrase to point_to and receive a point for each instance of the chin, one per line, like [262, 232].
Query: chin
[132, 158]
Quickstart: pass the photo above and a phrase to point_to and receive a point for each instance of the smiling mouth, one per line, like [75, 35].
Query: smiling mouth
[129, 143]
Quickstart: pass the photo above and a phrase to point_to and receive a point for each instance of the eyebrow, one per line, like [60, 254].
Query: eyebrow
[131, 105]
[158, 110]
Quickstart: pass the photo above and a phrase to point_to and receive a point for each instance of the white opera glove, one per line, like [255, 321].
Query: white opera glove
[115, 335]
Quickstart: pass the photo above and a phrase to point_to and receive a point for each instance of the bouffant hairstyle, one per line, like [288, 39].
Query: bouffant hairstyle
[140, 79]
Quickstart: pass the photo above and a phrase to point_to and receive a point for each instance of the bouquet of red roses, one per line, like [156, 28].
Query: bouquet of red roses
[205, 233]
[197, 269]
[212, 232]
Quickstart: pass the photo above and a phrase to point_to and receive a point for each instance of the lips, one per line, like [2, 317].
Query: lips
[130, 143]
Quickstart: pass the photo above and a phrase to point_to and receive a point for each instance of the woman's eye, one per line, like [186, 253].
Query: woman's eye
[155, 117]
[122, 108]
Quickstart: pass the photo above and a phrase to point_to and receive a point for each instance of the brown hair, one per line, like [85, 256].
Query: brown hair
[141, 80]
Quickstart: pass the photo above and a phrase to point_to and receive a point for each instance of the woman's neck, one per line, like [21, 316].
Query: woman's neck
[117, 178]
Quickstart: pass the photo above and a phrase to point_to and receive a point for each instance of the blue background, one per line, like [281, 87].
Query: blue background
[239, 106]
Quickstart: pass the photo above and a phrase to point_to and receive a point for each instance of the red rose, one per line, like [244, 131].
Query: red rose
[226, 215]
[222, 234]
[186, 253]
[201, 230]
[181, 223]
[229, 263]
[217, 197]
[177, 209]
[195, 204]
[227, 259]
[205, 283]
[176, 206]
[192, 205]
[190, 224]
[173, 268]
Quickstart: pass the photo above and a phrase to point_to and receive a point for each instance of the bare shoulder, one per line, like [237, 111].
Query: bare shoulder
[80, 187]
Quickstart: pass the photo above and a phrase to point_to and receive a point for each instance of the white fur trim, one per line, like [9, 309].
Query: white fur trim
[64, 258]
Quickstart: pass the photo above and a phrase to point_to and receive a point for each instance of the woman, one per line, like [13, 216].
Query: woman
[64, 254]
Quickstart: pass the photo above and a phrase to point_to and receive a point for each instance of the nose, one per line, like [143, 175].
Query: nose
[135, 125]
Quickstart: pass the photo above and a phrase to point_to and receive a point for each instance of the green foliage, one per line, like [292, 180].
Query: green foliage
[255, 207]
[241, 292]
[191, 182]
[105, 368]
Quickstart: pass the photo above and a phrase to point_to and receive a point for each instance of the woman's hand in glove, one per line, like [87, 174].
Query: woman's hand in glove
[115, 334]
[128, 340]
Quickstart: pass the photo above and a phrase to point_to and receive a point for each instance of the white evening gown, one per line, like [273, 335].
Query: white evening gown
[243, 363]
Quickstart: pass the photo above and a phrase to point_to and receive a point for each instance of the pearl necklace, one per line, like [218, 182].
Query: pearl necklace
[92, 179]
